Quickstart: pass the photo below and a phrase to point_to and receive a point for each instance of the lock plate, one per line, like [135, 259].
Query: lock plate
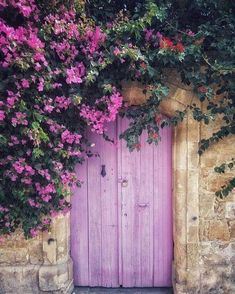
[124, 183]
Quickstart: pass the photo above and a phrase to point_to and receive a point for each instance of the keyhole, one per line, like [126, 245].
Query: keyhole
[103, 171]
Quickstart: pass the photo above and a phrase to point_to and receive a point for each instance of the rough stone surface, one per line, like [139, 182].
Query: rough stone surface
[204, 226]
[40, 265]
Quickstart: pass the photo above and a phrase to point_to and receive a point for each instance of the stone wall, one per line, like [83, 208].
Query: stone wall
[204, 226]
[38, 265]
[217, 219]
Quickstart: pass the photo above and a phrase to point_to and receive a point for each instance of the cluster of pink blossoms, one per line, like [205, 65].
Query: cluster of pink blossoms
[37, 108]
[98, 119]
[25, 7]
[75, 73]
[70, 138]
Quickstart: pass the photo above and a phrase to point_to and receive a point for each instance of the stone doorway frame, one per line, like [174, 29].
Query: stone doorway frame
[185, 169]
[185, 173]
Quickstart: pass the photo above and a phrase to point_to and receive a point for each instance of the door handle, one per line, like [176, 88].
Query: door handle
[142, 204]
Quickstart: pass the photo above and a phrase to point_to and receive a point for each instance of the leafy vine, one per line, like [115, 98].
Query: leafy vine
[62, 65]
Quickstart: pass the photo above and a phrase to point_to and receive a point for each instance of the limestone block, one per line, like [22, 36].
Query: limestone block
[56, 242]
[12, 256]
[230, 210]
[193, 156]
[193, 130]
[35, 252]
[206, 206]
[192, 234]
[55, 277]
[19, 280]
[133, 93]
[180, 260]
[232, 229]
[214, 230]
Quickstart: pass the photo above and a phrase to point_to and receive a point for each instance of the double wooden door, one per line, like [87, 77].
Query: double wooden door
[121, 232]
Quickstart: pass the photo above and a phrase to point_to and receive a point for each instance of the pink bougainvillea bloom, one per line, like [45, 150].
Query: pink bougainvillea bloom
[63, 102]
[70, 138]
[34, 232]
[40, 85]
[18, 167]
[202, 89]
[148, 34]
[25, 83]
[26, 181]
[46, 198]
[2, 115]
[29, 170]
[19, 119]
[75, 73]
[46, 221]
[190, 33]
[26, 10]
[159, 35]
[13, 178]
[116, 51]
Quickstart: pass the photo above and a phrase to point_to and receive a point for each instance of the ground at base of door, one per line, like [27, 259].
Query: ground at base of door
[85, 290]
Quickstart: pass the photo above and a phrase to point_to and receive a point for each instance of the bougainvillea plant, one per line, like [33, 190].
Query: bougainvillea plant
[62, 65]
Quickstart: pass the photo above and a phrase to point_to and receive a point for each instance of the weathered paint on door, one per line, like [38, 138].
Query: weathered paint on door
[122, 220]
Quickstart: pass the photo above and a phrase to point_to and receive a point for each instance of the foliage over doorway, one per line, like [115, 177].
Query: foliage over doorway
[62, 66]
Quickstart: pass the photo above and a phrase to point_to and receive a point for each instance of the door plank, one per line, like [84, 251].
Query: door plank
[163, 242]
[145, 210]
[79, 235]
[130, 219]
[109, 207]
[94, 216]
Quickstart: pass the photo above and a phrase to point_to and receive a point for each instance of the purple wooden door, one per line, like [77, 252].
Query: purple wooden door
[122, 220]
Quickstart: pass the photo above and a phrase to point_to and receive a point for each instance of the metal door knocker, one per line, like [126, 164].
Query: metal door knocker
[103, 171]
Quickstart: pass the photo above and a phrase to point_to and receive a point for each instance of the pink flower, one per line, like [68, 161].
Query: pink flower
[18, 167]
[32, 203]
[13, 178]
[46, 198]
[19, 119]
[48, 108]
[26, 10]
[34, 232]
[34, 42]
[46, 221]
[44, 173]
[63, 102]
[116, 51]
[40, 85]
[68, 178]
[190, 33]
[26, 181]
[54, 213]
[2, 115]
[70, 138]
[148, 34]
[29, 170]
[25, 83]
[74, 74]
[96, 118]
